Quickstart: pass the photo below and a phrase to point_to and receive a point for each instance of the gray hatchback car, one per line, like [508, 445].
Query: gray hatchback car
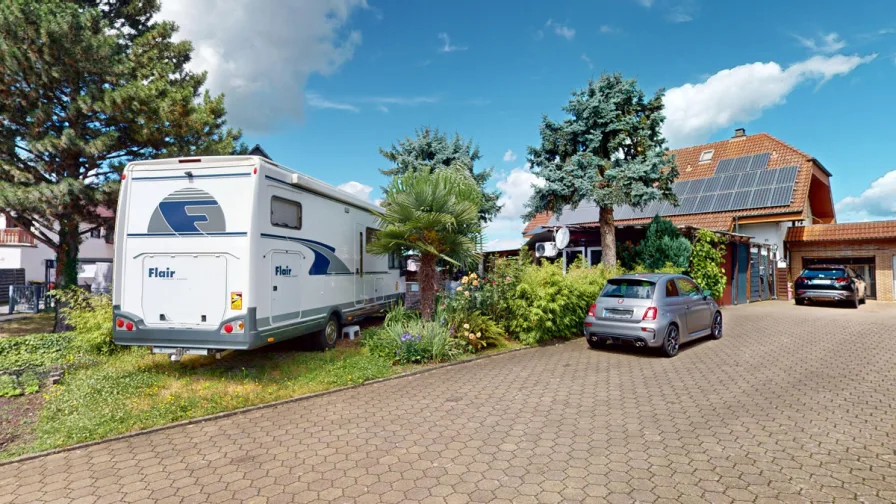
[652, 310]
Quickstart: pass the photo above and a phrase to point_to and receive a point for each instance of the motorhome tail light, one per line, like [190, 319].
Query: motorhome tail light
[255, 171]
[649, 314]
[190, 160]
[124, 176]
[119, 323]
[129, 326]
[842, 281]
[234, 326]
[592, 312]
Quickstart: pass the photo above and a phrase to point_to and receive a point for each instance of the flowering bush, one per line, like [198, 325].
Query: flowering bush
[466, 313]
[414, 341]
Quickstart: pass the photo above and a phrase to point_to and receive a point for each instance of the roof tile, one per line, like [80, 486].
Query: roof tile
[850, 231]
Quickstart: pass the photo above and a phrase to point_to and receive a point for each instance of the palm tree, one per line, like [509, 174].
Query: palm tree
[436, 214]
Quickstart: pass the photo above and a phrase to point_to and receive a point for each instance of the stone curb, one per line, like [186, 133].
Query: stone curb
[225, 414]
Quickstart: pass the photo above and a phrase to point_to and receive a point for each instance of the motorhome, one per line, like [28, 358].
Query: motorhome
[237, 252]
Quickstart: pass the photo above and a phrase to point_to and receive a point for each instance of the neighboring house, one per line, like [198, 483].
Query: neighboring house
[752, 188]
[19, 249]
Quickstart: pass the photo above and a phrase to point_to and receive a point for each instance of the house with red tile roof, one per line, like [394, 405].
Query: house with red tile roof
[757, 189]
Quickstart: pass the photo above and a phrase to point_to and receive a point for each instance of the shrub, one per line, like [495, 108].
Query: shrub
[9, 386]
[706, 262]
[546, 304]
[478, 330]
[466, 311]
[35, 351]
[663, 245]
[414, 341]
[91, 317]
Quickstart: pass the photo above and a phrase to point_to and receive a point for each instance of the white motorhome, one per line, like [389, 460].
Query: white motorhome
[236, 252]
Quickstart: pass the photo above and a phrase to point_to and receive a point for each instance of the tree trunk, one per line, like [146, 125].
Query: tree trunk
[66, 264]
[427, 284]
[608, 236]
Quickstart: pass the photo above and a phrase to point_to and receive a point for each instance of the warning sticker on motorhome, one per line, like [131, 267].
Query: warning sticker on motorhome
[236, 300]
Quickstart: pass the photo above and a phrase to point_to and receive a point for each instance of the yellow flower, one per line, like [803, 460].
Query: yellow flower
[467, 293]
[466, 326]
[460, 289]
[479, 335]
[475, 283]
[464, 280]
[473, 275]
[472, 336]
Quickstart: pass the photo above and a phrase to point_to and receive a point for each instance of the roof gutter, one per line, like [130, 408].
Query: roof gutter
[818, 163]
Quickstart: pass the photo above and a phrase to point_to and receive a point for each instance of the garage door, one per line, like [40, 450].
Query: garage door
[864, 266]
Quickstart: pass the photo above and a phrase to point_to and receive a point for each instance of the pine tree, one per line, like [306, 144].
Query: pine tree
[433, 149]
[86, 86]
[663, 245]
[610, 151]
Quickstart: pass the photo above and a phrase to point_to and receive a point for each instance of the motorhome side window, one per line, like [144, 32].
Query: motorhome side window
[371, 235]
[394, 260]
[286, 213]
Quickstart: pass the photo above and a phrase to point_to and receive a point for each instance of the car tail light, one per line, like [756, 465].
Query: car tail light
[842, 281]
[592, 312]
[800, 280]
[650, 313]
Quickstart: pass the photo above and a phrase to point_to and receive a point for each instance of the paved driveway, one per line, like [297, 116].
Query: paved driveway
[794, 404]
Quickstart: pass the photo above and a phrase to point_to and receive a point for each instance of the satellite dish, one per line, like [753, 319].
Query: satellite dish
[561, 238]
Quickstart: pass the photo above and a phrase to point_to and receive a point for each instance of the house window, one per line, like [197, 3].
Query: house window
[706, 155]
[96, 233]
[286, 213]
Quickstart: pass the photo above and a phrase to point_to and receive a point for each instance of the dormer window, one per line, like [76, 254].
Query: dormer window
[706, 156]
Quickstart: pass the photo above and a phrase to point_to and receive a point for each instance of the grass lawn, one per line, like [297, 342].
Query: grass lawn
[133, 390]
[31, 324]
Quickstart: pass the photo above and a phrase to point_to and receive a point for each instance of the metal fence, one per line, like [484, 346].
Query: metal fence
[29, 299]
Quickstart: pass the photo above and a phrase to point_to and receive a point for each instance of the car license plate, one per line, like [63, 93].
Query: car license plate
[821, 282]
[616, 313]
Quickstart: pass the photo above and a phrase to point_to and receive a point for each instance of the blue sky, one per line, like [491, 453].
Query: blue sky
[322, 84]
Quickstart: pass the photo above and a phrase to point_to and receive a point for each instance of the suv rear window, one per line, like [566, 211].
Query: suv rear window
[824, 273]
[629, 288]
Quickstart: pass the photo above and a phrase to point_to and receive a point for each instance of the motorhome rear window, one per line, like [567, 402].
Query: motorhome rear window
[286, 213]
[628, 288]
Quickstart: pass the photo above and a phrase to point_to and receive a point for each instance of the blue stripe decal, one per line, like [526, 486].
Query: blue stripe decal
[325, 260]
[186, 235]
[178, 177]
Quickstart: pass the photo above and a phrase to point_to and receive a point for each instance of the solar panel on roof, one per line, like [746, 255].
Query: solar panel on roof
[741, 164]
[687, 205]
[727, 199]
[741, 199]
[704, 203]
[724, 166]
[748, 180]
[720, 202]
[760, 197]
[681, 188]
[786, 175]
[766, 178]
[712, 185]
[781, 195]
[760, 161]
[665, 208]
[695, 188]
[729, 182]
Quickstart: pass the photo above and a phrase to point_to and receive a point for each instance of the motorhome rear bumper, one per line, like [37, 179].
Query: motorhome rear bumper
[181, 337]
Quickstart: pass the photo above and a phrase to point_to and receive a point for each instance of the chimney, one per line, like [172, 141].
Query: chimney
[739, 132]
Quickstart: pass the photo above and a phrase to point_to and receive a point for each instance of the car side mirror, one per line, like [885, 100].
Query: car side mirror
[707, 293]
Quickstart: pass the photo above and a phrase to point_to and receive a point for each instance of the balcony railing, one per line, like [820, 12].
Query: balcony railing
[15, 237]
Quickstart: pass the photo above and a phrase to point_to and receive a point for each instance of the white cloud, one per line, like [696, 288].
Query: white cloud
[561, 30]
[317, 101]
[260, 53]
[447, 47]
[587, 61]
[740, 94]
[409, 101]
[509, 155]
[383, 108]
[829, 43]
[679, 17]
[876, 202]
[504, 244]
[609, 29]
[356, 189]
[505, 231]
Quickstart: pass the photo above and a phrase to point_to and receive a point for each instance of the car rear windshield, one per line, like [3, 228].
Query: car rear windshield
[629, 288]
[824, 273]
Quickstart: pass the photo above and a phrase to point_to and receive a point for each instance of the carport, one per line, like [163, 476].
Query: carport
[866, 247]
